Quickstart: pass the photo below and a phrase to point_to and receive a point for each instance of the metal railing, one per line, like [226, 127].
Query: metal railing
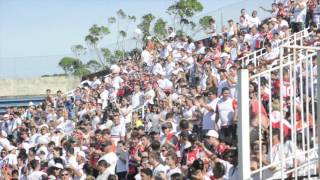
[254, 56]
[291, 153]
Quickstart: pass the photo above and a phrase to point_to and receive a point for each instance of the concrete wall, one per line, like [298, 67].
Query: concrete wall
[37, 86]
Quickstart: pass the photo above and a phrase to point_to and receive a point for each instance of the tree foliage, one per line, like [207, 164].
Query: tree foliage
[205, 22]
[146, 24]
[73, 66]
[121, 14]
[96, 33]
[160, 28]
[184, 10]
[112, 20]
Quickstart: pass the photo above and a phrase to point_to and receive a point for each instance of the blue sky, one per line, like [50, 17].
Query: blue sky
[33, 28]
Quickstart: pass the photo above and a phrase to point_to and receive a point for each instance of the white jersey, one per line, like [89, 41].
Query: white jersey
[226, 111]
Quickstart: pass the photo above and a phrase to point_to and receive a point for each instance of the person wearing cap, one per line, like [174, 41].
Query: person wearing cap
[11, 158]
[56, 169]
[216, 146]
[78, 170]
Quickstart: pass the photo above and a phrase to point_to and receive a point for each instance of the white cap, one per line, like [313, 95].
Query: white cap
[212, 133]
[58, 165]
[4, 134]
[44, 125]
[52, 177]
[115, 68]
[82, 154]
[10, 148]
[31, 103]
[225, 55]
[6, 116]
[37, 158]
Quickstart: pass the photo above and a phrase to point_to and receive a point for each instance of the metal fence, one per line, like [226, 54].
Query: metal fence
[293, 151]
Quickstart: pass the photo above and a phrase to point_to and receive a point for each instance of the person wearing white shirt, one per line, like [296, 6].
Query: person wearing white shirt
[271, 55]
[137, 97]
[95, 82]
[171, 162]
[315, 75]
[116, 81]
[103, 168]
[149, 94]
[254, 20]
[110, 157]
[164, 83]
[4, 142]
[157, 68]
[11, 158]
[36, 174]
[299, 15]
[154, 159]
[104, 95]
[170, 66]
[201, 48]
[70, 158]
[209, 115]
[226, 114]
[146, 57]
[78, 170]
[274, 156]
[118, 129]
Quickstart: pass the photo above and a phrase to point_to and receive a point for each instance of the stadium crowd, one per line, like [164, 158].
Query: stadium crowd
[170, 115]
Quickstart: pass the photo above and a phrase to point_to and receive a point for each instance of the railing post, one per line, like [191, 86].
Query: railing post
[243, 124]
[318, 104]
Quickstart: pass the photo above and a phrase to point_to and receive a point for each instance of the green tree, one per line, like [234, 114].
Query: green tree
[146, 24]
[93, 65]
[78, 50]
[123, 34]
[121, 15]
[119, 55]
[111, 20]
[204, 24]
[159, 28]
[183, 10]
[66, 64]
[97, 33]
[73, 66]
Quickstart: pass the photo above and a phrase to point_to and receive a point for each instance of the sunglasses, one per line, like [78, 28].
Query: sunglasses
[65, 175]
